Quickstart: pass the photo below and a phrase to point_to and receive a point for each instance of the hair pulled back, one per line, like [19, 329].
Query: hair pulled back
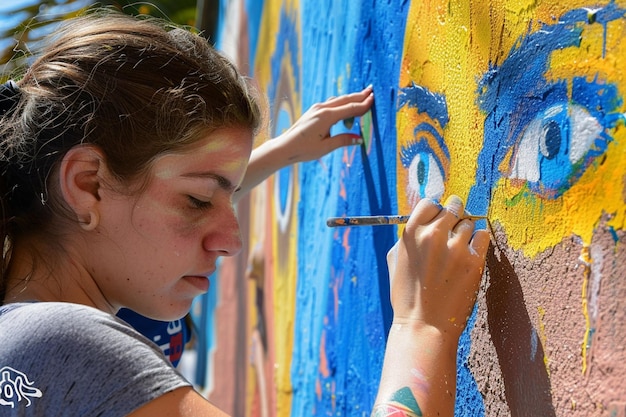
[136, 88]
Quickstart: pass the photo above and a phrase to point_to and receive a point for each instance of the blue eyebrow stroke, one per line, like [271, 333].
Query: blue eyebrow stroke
[413, 147]
[434, 105]
[515, 92]
[425, 101]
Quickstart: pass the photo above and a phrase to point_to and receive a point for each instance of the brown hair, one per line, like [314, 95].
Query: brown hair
[135, 87]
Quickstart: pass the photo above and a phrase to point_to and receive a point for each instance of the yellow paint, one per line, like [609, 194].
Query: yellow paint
[252, 376]
[284, 278]
[543, 338]
[266, 45]
[283, 262]
[259, 374]
[339, 82]
[446, 49]
[585, 257]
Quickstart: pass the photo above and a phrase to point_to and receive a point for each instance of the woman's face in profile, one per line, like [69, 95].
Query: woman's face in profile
[157, 249]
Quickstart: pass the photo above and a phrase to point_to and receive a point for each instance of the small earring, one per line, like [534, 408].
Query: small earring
[94, 220]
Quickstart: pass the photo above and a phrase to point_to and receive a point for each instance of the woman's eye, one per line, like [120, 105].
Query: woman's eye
[199, 204]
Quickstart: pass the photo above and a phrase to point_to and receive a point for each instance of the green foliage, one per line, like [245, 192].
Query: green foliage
[24, 26]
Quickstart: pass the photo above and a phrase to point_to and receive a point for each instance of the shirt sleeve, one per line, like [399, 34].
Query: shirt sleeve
[83, 362]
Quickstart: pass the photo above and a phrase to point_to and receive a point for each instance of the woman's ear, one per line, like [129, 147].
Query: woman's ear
[80, 177]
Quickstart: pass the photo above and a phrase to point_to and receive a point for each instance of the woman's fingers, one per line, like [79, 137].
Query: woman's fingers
[480, 243]
[348, 98]
[440, 256]
[463, 230]
[425, 212]
[454, 205]
[348, 105]
[450, 221]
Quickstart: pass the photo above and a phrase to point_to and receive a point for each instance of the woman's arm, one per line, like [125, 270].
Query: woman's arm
[307, 139]
[182, 402]
[435, 271]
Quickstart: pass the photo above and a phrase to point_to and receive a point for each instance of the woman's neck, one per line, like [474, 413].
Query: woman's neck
[37, 273]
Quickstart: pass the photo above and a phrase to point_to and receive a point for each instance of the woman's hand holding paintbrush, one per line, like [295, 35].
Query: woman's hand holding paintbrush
[435, 271]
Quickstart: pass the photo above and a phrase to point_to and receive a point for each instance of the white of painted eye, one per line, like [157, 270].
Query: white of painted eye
[283, 209]
[584, 129]
[432, 185]
[525, 163]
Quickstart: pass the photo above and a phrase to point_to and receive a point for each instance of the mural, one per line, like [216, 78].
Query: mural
[516, 106]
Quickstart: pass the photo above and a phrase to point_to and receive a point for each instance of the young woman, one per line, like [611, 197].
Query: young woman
[121, 150]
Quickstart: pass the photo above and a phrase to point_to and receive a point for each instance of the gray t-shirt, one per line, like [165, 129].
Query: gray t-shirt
[62, 359]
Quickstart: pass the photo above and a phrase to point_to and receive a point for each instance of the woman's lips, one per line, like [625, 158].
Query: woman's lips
[200, 282]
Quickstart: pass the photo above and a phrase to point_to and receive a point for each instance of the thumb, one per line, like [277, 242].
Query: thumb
[392, 258]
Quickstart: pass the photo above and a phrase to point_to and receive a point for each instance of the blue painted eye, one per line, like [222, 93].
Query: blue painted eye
[556, 147]
[425, 156]
[425, 174]
[425, 178]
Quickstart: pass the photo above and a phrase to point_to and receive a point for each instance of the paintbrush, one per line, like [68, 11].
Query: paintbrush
[379, 220]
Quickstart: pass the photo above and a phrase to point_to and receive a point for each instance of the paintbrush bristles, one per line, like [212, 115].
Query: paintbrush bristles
[378, 220]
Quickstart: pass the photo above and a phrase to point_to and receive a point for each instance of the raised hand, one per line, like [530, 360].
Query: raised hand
[309, 137]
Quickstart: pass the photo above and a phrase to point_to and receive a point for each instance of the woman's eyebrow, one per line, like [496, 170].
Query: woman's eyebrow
[223, 182]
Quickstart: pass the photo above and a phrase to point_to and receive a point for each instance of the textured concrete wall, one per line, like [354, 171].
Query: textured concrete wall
[516, 106]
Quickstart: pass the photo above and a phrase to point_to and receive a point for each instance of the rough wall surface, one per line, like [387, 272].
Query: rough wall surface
[515, 105]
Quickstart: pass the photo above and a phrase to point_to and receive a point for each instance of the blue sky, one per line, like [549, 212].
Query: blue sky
[10, 17]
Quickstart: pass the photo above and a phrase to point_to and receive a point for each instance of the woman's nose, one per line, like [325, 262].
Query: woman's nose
[226, 235]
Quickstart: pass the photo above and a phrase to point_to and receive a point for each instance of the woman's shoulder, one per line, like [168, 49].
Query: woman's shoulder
[69, 351]
[48, 308]
[35, 319]
[54, 327]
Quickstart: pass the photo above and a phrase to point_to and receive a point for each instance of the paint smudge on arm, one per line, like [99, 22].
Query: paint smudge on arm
[401, 404]
[420, 382]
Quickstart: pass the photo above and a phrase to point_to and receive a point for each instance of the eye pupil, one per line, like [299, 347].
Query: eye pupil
[421, 172]
[552, 140]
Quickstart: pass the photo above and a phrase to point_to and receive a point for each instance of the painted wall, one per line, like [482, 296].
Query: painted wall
[515, 105]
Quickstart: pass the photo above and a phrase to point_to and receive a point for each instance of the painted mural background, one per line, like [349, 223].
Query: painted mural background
[518, 107]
